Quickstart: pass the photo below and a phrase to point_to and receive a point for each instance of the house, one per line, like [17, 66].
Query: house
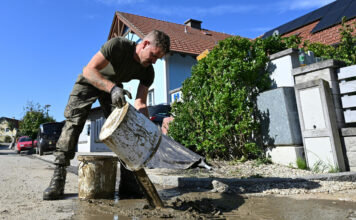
[7, 128]
[321, 25]
[188, 40]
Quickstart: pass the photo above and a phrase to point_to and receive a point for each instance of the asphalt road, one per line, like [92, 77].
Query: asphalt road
[22, 181]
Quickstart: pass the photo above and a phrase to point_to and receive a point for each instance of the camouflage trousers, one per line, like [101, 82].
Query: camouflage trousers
[76, 112]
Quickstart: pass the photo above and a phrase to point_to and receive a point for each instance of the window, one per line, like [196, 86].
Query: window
[150, 97]
[176, 96]
[7, 129]
[97, 128]
[125, 30]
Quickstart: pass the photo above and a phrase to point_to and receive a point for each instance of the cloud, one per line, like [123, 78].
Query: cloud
[119, 2]
[214, 10]
[223, 9]
[286, 5]
[272, 7]
[307, 4]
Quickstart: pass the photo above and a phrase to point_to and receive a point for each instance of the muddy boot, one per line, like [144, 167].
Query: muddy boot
[129, 187]
[56, 186]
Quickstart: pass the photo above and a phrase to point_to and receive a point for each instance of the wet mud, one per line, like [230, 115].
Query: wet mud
[209, 205]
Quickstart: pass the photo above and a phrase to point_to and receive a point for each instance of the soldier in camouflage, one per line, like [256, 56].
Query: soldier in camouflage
[119, 60]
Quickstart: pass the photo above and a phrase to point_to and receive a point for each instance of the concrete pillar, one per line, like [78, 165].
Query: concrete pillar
[326, 70]
[349, 139]
[281, 66]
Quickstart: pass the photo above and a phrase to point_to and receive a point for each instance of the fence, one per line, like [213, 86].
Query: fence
[347, 83]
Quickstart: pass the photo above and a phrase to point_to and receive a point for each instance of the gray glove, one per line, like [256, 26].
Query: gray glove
[118, 96]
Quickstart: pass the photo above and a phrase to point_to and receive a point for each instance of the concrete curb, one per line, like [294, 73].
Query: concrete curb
[194, 182]
[180, 181]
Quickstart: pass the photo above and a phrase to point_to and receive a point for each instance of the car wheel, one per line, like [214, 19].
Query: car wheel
[40, 150]
[17, 151]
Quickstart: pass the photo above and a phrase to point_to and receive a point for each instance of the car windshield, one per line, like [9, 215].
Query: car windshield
[25, 139]
[52, 128]
[159, 110]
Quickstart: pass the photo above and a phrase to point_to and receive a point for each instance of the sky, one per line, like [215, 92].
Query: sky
[44, 44]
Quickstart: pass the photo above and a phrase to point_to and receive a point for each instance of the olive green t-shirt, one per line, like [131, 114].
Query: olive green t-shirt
[119, 52]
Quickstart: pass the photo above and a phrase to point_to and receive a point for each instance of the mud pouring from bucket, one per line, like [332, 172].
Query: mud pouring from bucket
[134, 139]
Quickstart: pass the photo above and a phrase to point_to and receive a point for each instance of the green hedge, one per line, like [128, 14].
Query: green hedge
[218, 117]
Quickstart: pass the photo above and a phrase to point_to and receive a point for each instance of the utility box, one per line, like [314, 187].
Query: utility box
[280, 127]
[320, 133]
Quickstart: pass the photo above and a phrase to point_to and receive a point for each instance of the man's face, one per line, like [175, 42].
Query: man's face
[149, 54]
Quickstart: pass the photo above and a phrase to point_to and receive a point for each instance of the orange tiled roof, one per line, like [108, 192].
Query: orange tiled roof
[194, 41]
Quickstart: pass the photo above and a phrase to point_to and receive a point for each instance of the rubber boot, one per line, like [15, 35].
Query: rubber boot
[56, 186]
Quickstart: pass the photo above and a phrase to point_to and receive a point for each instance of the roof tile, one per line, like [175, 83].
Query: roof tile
[194, 41]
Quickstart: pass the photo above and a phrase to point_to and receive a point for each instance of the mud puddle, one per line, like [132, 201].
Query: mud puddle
[208, 205]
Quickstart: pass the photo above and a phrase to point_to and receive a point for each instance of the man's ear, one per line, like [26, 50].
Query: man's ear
[145, 43]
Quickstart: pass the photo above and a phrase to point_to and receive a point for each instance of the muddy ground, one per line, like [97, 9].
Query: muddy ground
[23, 179]
[207, 205]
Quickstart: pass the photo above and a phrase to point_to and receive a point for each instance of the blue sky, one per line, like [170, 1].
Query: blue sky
[44, 44]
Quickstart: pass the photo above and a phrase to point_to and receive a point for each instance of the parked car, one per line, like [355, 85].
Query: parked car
[47, 137]
[159, 112]
[23, 143]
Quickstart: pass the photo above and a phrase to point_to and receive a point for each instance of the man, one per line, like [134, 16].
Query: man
[119, 60]
[13, 142]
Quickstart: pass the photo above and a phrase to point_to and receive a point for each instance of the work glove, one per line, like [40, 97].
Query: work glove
[118, 96]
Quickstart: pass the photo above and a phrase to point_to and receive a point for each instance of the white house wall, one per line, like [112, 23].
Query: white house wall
[180, 68]
[133, 37]
[84, 138]
[158, 85]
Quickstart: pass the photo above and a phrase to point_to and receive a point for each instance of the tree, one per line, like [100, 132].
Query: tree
[35, 115]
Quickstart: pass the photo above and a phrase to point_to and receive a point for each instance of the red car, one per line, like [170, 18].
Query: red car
[24, 143]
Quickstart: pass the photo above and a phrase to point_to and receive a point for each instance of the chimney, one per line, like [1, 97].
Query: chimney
[193, 23]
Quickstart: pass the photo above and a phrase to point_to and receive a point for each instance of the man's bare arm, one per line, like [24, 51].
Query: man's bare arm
[92, 74]
[141, 100]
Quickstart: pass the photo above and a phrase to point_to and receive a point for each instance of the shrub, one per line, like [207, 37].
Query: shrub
[218, 115]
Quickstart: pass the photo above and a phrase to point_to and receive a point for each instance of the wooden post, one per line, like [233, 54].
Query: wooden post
[148, 188]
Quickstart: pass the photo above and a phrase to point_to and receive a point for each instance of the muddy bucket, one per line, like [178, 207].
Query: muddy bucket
[131, 135]
[97, 176]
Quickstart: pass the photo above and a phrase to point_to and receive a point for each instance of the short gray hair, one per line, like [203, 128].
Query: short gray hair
[159, 39]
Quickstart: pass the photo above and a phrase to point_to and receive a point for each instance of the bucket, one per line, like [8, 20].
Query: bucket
[131, 135]
[97, 176]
